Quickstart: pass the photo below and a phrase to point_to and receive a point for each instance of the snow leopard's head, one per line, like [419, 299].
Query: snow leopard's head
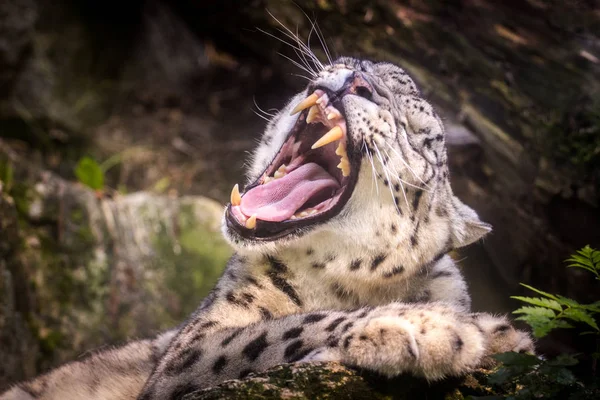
[358, 154]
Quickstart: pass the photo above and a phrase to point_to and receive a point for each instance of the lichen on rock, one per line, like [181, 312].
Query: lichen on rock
[337, 382]
[80, 271]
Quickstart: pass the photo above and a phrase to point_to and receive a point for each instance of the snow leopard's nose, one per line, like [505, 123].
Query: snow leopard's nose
[357, 84]
[341, 81]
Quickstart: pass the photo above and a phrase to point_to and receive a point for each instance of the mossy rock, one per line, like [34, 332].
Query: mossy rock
[89, 270]
[334, 381]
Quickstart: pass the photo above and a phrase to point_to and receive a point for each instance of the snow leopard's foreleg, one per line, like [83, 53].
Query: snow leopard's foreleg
[430, 340]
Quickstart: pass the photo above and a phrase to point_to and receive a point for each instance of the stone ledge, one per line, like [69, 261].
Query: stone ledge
[336, 382]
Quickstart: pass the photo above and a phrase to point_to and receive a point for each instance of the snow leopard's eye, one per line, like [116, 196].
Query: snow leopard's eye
[312, 176]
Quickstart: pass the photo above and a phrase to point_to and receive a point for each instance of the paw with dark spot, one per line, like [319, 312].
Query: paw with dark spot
[383, 344]
[501, 337]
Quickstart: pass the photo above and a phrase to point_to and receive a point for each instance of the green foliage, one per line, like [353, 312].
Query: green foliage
[554, 311]
[588, 259]
[6, 174]
[89, 173]
[528, 377]
[525, 377]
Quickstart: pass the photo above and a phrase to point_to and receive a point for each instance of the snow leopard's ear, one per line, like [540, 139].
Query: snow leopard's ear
[466, 225]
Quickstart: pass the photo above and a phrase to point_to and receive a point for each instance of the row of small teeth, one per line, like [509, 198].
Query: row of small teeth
[280, 173]
[314, 101]
[305, 213]
[344, 164]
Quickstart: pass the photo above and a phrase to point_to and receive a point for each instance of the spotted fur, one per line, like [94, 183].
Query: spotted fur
[372, 287]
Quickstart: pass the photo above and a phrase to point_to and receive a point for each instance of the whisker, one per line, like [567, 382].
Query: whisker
[373, 169]
[306, 62]
[303, 76]
[301, 44]
[296, 49]
[260, 109]
[278, 38]
[406, 164]
[385, 171]
[397, 174]
[297, 64]
[366, 150]
[261, 116]
[323, 43]
[319, 33]
[402, 183]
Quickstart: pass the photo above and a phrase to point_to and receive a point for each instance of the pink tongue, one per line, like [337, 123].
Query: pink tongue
[278, 200]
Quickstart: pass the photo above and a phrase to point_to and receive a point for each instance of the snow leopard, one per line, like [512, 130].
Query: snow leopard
[342, 233]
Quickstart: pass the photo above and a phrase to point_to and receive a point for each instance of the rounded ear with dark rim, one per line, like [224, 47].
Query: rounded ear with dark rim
[466, 225]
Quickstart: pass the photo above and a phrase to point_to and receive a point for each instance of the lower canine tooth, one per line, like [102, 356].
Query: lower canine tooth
[334, 134]
[236, 199]
[251, 222]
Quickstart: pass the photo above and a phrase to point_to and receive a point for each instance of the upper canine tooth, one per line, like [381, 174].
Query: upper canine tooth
[251, 222]
[236, 199]
[304, 104]
[312, 114]
[334, 134]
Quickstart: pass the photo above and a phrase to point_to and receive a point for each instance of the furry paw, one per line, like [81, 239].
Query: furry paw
[501, 337]
[384, 344]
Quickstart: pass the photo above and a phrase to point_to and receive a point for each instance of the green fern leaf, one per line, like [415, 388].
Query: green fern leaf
[586, 258]
[568, 302]
[539, 301]
[580, 315]
[540, 312]
[540, 319]
[538, 291]
[593, 307]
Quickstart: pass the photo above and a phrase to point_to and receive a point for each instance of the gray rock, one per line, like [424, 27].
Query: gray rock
[80, 270]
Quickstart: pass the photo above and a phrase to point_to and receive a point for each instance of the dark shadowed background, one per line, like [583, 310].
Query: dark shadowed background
[156, 102]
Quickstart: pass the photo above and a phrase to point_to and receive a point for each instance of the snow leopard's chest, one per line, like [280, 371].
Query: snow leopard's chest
[336, 280]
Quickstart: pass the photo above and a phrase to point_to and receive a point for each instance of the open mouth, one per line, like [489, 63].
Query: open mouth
[310, 179]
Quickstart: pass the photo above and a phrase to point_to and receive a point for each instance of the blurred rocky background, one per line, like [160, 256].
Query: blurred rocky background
[154, 104]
